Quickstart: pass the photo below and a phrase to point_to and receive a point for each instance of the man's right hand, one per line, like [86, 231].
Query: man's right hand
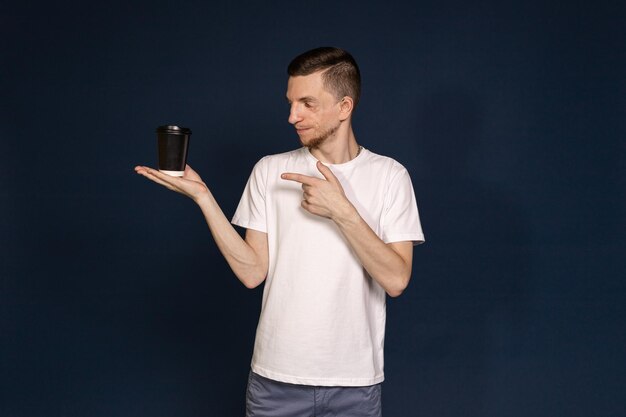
[190, 184]
[247, 258]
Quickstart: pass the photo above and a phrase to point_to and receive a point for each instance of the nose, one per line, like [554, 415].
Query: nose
[294, 114]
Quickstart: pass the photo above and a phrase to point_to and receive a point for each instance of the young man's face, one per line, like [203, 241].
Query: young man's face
[314, 111]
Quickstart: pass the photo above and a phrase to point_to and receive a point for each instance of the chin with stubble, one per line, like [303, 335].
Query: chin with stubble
[316, 142]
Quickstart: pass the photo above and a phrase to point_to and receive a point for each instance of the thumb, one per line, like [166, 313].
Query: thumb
[190, 174]
[327, 173]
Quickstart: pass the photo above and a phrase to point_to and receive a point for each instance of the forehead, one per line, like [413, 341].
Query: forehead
[310, 85]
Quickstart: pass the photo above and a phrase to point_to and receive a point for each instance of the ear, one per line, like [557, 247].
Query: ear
[345, 108]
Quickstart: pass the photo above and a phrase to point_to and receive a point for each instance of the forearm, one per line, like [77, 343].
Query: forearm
[379, 259]
[249, 266]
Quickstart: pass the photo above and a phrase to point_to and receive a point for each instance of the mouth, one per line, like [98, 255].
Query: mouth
[300, 130]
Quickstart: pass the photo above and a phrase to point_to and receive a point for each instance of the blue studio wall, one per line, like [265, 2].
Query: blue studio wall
[510, 117]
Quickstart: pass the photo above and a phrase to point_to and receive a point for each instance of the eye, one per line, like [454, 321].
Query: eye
[308, 105]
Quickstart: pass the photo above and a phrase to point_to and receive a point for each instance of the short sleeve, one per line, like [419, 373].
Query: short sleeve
[251, 211]
[400, 220]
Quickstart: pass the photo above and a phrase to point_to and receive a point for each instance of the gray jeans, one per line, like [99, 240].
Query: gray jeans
[269, 398]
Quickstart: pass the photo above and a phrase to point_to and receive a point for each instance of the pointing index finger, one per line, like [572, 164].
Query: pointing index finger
[303, 179]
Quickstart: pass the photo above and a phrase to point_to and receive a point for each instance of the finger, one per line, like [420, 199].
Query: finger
[303, 179]
[159, 181]
[190, 174]
[160, 178]
[140, 169]
[327, 173]
[311, 208]
[163, 177]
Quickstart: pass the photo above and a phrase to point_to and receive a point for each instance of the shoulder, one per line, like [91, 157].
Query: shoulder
[280, 160]
[385, 165]
[282, 157]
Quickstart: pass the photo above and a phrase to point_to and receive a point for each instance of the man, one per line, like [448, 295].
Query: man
[330, 228]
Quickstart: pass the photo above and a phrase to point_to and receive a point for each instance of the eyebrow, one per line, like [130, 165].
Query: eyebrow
[305, 99]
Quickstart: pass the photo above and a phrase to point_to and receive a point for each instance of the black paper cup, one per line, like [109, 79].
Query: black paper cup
[173, 145]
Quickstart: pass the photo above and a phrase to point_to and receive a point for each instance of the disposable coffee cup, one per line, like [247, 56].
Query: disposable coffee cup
[173, 145]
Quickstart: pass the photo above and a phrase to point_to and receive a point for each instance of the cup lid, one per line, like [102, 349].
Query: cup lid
[173, 129]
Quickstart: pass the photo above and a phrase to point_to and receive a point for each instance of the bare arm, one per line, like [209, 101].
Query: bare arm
[248, 258]
[388, 263]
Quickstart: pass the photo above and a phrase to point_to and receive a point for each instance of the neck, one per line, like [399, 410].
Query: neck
[338, 149]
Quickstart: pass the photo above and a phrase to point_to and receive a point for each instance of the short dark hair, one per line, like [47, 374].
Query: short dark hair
[341, 74]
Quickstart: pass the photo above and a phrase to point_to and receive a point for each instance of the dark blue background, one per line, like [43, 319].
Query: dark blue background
[114, 301]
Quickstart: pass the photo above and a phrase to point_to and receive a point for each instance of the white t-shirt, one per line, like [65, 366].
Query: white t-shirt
[322, 319]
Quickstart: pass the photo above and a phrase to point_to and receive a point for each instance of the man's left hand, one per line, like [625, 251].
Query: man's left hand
[322, 197]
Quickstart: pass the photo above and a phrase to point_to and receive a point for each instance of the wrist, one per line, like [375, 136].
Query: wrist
[202, 198]
[346, 215]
